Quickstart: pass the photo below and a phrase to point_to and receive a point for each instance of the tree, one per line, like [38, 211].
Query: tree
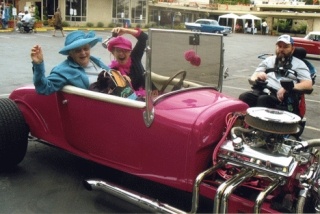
[36, 13]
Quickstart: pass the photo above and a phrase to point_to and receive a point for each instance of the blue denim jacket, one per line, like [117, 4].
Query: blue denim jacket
[66, 73]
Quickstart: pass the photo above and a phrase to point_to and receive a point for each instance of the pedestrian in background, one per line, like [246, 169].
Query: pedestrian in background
[25, 19]
[3, 16]
[264, 27]
[32, 10]
[20, 15]
[57, 22]
[246, 25]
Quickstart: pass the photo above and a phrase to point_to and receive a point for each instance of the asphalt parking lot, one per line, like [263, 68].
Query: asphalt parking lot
[50, 181]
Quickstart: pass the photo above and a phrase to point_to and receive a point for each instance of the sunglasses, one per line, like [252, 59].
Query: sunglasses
[120, 50]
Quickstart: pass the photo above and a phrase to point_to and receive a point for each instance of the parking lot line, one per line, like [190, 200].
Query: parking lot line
[4, 95]
[312, 128]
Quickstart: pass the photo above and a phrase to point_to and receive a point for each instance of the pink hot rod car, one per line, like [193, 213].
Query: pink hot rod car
[191, 138]
[311, 42]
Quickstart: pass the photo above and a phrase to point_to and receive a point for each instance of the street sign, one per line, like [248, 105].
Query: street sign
[14, 11]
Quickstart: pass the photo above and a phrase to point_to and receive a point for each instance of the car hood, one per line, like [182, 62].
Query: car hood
[196, 99]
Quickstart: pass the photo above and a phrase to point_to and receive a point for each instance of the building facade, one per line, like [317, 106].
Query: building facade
[164, 13]
[81, 12]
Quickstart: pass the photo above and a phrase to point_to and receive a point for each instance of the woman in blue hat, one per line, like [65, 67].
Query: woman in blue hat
[80, 69]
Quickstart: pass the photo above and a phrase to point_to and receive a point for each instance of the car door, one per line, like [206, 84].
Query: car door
[101, 127]
[312, 45]
[206, 26]
[316, 44]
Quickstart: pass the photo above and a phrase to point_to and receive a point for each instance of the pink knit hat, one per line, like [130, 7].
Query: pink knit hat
[119, 42]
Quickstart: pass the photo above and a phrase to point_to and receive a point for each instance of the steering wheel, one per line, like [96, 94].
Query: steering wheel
[178, 85]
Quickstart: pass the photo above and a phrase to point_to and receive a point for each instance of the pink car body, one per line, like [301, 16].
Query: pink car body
[175, 149]
[115, 135]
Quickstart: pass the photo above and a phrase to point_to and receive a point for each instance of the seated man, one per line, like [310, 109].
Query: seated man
[281, 66]
[25, 19]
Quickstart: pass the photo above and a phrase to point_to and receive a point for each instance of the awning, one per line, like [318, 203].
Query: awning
[250, 17]
[231, 16]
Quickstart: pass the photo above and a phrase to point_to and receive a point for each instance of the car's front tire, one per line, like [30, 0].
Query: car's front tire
[13, 134]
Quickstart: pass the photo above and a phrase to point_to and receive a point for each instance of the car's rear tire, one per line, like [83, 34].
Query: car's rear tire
[13, 134]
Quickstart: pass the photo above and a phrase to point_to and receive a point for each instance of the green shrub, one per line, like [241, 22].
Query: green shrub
[301, 29]
[153, 24]
[10, 13]
[179, 26]
[36, 13]
[45, 22]
[100, 24]
[111, 25]
[89, 24]
[65, 24]
[283, 26]
[45, 14]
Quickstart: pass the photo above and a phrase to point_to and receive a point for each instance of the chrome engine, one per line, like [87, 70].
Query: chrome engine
[268, 160]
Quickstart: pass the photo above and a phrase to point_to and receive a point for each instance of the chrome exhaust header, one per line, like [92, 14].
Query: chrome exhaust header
[147, 203]
[220, 197]
[196, 186]
[262, 196]
[228, 191]
[222, 188]
[131, 197]
[220, 200]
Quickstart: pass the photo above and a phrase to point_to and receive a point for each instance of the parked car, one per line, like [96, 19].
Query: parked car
[209, 26]
[191, 138]
[310, 42]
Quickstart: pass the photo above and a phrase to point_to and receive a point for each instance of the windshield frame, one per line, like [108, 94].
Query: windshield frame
[208, 45]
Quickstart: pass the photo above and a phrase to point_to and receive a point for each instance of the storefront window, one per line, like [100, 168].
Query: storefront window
[138, 14]
[154, 16]
[50, 6]
[76, 10]
[120, 10]
[126, 9]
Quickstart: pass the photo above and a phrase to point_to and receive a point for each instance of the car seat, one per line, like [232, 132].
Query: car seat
[301, 53]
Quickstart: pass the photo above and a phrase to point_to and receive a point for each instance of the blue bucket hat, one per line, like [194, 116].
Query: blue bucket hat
[78, 39]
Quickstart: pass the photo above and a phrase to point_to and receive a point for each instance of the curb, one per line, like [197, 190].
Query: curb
[45, 29]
